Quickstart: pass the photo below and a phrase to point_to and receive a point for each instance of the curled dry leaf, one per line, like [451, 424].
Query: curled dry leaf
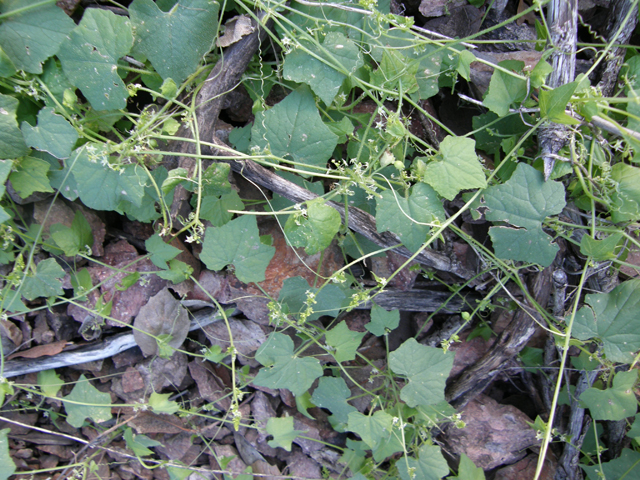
[235, 29]
[162, 315]
[41, 350]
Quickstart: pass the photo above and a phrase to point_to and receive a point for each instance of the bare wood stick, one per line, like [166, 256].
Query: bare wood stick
[359, 220]
[563, 18]
[96, 351]
[621, 23]
[568, 466]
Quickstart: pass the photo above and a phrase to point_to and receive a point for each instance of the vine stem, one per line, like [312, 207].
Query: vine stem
[556, 394]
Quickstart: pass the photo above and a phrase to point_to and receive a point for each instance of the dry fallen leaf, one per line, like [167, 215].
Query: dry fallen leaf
[41, 350]
[162, 315]
[235, 29]
[530, 17]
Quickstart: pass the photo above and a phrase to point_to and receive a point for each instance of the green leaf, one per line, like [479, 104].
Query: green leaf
[468, 470]
[90, 56]
[102, 186]
[237, 243]
[174, 41]
[284, 369]
[615, 403]
[45, 282]
[406, 217]
[382, 320]
[426, 369]
[626, 197]
[53, 134]
[465, 59]
[280, 203]
[553, 102]
[378, 431]
[72, 240]
[345, 342]
[7, 467]
[315, 231]
[178, 271]
[11, 140]
[612, 317]
[282, 431]
[57, 83]
[6, 388]
[324, 69]
[174, 178]
[396, 72]
[430, 465]
[86, 401]
[525, 200]
[531, 245]
[7, 68]
[11, 302]
[160, 251]
[455, 168]
[332, 393]
[215, 180]
[49, 382]
[342, 129]
[147, 211]
[293, 130]
[216, 209]
[160, 403]
[30, 176]
[634, 431]
[505, 89]
[492, 138]
[303, 404]
[215, 354]
[5, 170]
[600, 250]
[139, 443]
[30, 37]
[329, 300]
[424, 62]
[625, 467]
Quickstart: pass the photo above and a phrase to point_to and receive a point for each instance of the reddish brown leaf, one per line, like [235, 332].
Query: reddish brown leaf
[41, 350]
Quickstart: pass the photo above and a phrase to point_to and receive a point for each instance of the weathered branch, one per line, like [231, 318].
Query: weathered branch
[96, 351]
[359, 220]
[473, 380]
[621, 19]
[563, 18]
